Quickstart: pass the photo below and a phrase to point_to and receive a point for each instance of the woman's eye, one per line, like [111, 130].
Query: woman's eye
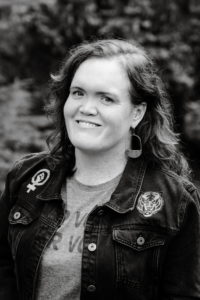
[107, 99]
[77, 94]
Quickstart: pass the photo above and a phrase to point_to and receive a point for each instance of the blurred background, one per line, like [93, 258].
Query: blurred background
[35, 36]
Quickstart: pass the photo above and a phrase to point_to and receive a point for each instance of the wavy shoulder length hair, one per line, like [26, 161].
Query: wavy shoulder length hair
[159, 141]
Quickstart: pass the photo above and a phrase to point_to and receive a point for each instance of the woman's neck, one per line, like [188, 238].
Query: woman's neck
[93, 169]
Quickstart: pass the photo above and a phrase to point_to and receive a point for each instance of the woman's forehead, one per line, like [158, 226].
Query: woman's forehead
[101, 73]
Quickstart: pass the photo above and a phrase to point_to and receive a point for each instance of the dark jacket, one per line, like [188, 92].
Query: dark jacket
[147, 236]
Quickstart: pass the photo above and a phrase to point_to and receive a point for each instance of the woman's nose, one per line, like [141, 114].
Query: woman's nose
[88, 107]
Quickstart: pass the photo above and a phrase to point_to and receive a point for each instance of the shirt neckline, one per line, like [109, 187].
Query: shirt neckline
[98, 187]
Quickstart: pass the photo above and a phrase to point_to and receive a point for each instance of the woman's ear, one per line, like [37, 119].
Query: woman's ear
[138, 114]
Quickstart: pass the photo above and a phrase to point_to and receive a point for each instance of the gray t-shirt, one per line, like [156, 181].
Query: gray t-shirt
[60, 270]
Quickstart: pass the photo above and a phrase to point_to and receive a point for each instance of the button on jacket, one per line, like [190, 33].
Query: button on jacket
[143, 244]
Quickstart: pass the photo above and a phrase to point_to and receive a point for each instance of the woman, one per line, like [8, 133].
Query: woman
[109, 213]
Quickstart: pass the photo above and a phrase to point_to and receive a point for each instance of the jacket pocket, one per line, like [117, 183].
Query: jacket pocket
[20, 220]
[137, 255]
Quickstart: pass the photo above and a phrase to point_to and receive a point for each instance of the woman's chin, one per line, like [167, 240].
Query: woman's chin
[86, 148]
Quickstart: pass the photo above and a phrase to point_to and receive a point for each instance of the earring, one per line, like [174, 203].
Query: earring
[136, 145]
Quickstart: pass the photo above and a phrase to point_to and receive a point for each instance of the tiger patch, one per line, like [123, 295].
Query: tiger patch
[149, 203]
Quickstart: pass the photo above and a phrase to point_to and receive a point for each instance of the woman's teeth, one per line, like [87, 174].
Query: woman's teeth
[87, 125]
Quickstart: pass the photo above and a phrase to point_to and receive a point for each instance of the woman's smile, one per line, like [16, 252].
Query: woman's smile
[87, 124]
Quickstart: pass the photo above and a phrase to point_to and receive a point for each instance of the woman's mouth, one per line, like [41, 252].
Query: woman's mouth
[86, 124]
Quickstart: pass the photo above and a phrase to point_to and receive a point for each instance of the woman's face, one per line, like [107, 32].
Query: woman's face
[98, 111]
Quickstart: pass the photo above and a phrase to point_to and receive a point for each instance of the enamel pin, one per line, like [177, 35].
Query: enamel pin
[38, 179]
[149, 203]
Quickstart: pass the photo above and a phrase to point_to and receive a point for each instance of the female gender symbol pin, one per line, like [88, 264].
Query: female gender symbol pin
[38, 179]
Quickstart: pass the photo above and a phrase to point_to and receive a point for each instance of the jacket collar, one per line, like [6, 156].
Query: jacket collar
[122, 200]
[124, 197]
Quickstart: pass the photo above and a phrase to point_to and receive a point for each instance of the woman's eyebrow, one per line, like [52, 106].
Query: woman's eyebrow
[108, 93]
[76, 87]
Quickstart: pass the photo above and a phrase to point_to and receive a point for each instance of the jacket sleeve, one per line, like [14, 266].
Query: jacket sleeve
[8, 285]
[181, 275]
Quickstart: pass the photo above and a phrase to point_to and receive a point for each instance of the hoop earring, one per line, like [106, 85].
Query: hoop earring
[136, 145]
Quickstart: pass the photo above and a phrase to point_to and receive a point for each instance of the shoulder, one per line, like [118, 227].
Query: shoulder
[28, 161]
[180, 183]
[170, 180]
[178, 191]
[32, 163]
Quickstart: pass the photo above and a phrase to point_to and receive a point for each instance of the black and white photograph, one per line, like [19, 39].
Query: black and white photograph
[99, 150]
